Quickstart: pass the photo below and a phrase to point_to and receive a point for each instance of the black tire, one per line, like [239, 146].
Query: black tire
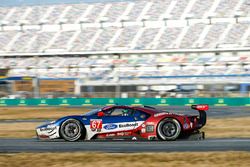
[169, 129]
[71, 130]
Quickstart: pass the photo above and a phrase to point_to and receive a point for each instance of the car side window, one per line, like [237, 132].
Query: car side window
[119, 112]
[141, 114]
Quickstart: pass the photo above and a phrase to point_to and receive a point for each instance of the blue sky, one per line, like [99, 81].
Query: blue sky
[43, 2]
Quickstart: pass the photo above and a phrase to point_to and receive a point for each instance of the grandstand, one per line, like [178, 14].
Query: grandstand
[128, 25]
[122, 46]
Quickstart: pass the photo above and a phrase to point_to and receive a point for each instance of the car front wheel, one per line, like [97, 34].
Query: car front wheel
[169, 129]
[71, 130]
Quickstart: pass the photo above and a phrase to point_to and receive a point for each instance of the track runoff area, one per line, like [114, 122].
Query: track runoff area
[11, 145]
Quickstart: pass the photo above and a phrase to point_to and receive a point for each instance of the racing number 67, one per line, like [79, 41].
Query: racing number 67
[96, 124]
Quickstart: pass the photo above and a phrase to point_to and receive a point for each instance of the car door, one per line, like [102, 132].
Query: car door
[118, 119]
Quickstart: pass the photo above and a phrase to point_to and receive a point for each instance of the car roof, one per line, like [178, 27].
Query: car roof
[147, 109]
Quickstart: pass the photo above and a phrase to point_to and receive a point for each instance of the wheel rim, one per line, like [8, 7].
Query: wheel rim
[169, 129]
[71, 130]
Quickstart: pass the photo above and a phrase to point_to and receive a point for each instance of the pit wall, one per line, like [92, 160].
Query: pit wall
[125, 101]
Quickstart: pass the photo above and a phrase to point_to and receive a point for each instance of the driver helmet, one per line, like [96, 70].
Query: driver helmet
[125, 112]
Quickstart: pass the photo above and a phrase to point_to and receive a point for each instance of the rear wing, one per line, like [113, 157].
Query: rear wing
[202, 108]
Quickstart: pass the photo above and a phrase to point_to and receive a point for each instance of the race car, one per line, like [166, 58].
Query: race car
[120, 122]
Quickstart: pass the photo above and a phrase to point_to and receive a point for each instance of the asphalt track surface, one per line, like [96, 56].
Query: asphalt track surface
[33, 145]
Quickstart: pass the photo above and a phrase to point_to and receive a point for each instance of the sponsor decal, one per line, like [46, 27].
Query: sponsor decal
[134, 138]
[120, 134]
[126, 125]
[150, 128]
[160, 114]
[48, 129]
[127, 133]
[185, 126]
[110, 126]
[123, 133]
[110, 135]
[150, 123]
[95, 124]
[143, 125]
[143, 130]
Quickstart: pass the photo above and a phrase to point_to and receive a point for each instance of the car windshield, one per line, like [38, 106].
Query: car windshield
[92, 112]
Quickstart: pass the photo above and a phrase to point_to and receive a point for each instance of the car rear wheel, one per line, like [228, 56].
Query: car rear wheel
[169, 129]
[71, 130]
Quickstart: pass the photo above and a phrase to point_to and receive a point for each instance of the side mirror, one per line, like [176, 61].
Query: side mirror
[100, 114]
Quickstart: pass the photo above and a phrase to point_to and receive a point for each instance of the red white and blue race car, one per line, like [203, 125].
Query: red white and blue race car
[126, 123]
